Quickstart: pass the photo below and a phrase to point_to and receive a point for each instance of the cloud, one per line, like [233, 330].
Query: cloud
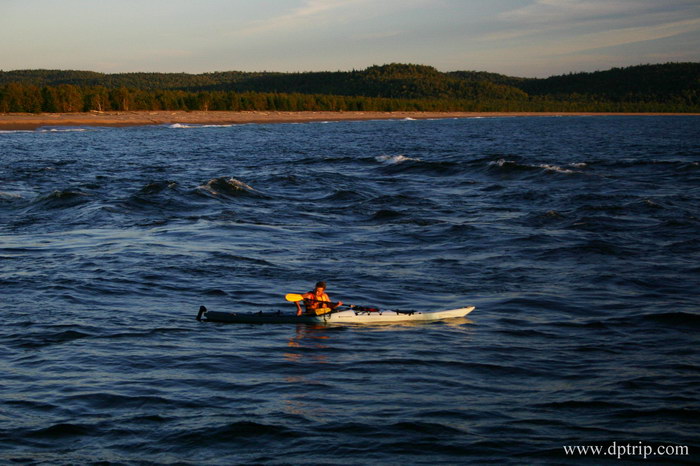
[371, 36]
[316, 15]
[546, 11]
[309, 11]
[554, 36]
[580, 11]
[591, 24]
[623, 36]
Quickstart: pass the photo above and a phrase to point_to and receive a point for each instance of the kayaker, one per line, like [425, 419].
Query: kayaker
[317, 301]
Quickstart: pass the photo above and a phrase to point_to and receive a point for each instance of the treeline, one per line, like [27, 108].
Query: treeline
[664, 82]
[28, 98]
[395, 81]
[673, 87]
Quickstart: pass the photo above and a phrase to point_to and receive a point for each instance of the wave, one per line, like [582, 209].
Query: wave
[104, 400]
[403, 200]
[542, 219]
[676, 319]
[5, 196]
[687, 246]
[679, 165]
[162, 196]
[196, 126]
[139, 334]
[510, 165]
[398, 164]
[675, 413]
[387, 215]
[556, 168]
[583, 404]
[393, 159]
[590, 248]
[229, 432]
[38, 340]
[59, 431]
[62, 199]
[349, 196]
[156, 187]
[513, 166]
[404, 217]
[334, 159]
[228, 187]
[49, 129]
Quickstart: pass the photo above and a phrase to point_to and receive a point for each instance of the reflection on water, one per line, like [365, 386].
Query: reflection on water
[308, 336]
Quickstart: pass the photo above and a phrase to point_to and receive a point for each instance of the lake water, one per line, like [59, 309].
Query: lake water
[577, 238]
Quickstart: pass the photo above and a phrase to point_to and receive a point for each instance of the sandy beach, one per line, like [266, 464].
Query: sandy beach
[27, 121]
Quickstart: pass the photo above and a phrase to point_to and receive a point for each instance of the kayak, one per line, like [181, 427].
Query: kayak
[340, 317]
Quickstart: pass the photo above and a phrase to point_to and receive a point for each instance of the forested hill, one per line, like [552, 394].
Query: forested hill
[650, 82]
[665, 87]
[644, 82]
[389, 81]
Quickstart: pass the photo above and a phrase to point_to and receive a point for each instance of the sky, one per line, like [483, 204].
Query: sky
[528, 38]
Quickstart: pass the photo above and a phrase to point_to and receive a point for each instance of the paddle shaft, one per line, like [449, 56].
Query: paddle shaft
[293, 297]
[329, 304]
[363, 308]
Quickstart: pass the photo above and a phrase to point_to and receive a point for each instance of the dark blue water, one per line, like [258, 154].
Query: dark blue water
[578, 239]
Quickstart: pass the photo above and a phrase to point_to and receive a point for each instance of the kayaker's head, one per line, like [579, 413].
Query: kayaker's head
[320, 287]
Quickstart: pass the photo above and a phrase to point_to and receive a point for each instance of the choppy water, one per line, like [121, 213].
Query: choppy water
[578, 239]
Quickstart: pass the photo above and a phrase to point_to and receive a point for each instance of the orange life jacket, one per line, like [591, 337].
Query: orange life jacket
[314, 305]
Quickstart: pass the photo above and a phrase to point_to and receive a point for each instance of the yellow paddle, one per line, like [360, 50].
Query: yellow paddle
[293, 297]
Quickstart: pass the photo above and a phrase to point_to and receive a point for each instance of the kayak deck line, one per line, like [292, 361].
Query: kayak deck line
[341, 317]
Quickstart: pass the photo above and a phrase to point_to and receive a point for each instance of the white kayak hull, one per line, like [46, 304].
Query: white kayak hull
[342, 317]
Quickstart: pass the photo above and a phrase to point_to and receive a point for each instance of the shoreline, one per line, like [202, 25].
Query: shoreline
[31, 121]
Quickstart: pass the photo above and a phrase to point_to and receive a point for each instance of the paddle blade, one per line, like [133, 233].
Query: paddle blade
[293, 297]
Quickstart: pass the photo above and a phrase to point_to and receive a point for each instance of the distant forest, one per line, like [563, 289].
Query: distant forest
[671, 87]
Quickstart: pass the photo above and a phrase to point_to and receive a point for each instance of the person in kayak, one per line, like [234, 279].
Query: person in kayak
[317, 301]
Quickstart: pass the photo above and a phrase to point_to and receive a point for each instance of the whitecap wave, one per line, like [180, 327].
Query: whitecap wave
[555, 168]
[394, 159]
[510, 164]
[226, 186]
[195, 126]
[62, 130]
